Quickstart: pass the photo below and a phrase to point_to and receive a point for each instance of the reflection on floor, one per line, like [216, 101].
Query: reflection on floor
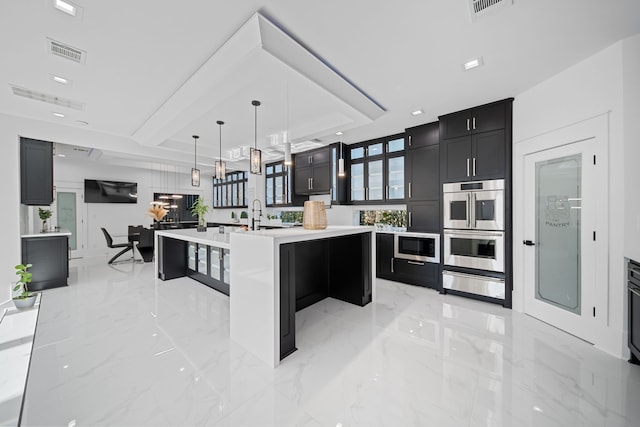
[117, 348]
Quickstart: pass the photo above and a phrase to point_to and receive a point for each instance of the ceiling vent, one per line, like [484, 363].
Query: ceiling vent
[479, 8]
[51, 99]
[65, 51]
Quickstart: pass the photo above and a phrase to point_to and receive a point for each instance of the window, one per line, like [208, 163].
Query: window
[278, 184]
[230, 192]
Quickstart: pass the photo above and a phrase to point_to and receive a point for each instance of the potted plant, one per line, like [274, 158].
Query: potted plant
[25, 299]
[44, 215]
[200, 208]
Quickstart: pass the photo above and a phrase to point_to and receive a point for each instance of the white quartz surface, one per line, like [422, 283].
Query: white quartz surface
[299, 234]
[61, 232]
[17, 329]
[210, 237]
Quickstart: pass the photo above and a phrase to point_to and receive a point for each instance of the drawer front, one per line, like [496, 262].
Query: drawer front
[417, 272]
[472, 284]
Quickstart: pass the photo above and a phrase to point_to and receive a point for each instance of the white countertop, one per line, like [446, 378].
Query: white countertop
[61, 232]
[299, 234]
[17, 330]
[210, 237]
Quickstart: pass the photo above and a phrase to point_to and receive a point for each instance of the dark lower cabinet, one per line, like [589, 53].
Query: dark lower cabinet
[172, 258]
[417, 272]
[209, 265]
[401, 270]
[384, 255]
[50, 260]
[338, 267]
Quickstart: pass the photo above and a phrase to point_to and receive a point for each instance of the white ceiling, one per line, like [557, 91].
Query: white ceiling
[157, 72]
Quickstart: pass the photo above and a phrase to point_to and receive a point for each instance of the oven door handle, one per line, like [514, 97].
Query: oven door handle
[468, 210]
[472, 209]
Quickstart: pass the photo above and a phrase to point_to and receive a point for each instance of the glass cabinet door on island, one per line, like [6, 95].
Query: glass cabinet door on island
[215, 272]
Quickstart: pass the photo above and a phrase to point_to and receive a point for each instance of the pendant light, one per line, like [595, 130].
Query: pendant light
[288, 161]
[341, 172]
[221, 167]
[195, 172]
[255, 155]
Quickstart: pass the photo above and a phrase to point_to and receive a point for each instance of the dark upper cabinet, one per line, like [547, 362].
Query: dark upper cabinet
[36, 172]
[384, 255]
[422, 136]
[313, 172]
[422, 173]
[476, 157]
[423, 216]
[480, 119]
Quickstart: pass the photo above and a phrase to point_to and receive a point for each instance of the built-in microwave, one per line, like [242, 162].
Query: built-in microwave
[417, 246]
[477, 205]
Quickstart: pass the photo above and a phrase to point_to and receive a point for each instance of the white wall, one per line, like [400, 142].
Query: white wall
[631, 105]
[590, 88]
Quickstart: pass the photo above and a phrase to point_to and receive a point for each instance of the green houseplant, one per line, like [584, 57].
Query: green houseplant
[200, 208]
[44, 215]
[25, 299]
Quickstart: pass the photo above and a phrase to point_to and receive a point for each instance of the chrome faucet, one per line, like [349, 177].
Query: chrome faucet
[253, 214]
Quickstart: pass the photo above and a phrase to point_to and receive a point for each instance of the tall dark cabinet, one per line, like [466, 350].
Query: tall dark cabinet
[36, 172]
[422, 178]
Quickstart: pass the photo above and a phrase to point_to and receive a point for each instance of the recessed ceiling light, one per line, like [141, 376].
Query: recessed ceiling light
[473, 63]
[416, 112]
[58, 114]
[66, 7]
[338, 133]
[59, 79]
[62, 155]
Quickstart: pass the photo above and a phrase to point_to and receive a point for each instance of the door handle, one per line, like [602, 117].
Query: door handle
[366, 193]
[468, 210]
[415, 263]
[392, 266]
[467, 166]
[472, 210]
[468, 128]
[409, 189]
[409, 140]
[409, 218]
[474, 165]
[308, 183]
[474, 123]
[387, 191]
[528, 243]
[311, 183]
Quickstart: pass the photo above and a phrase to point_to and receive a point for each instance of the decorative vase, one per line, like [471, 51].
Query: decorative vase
[45, 226]
[314, 216]
[202, 224]
[22, 303]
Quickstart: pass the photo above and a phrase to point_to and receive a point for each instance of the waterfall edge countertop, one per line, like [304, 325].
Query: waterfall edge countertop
[210, 237]
[61, 232]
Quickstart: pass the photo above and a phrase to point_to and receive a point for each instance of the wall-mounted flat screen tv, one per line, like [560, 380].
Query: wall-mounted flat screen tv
[97, 191]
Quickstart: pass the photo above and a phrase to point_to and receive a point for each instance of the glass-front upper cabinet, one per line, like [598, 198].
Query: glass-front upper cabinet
[377, 170]
[230, 192]
[278, 184]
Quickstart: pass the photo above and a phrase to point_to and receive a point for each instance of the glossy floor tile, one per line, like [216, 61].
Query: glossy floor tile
[117, 348]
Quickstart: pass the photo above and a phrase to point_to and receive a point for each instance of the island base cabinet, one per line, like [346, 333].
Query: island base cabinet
[310, 271]
[50, 260]
[172, 258]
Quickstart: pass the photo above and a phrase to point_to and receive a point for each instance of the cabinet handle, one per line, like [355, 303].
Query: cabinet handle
[474, 166]
[467, 166]
[409, 189]
[387, 191]
[366, 193]
[468, 128]
[392, 266]
[415, 263]
[308, 183]
[409, 218]
[311, 183]
[474, 123]
[409, 140]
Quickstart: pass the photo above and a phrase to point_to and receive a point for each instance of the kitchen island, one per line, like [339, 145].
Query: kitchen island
[276, 272]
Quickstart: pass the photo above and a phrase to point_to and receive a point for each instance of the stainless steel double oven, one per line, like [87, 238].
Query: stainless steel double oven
[474, 233]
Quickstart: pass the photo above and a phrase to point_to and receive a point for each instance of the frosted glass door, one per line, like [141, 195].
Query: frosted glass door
[191, 261]
[558, 226]
[376, 180]
[395, 167]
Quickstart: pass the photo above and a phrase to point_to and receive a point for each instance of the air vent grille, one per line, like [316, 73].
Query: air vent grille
[51, 99]
[65, 51]
[480, 7]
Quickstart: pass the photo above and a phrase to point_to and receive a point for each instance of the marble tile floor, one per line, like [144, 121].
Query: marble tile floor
[117, 348]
